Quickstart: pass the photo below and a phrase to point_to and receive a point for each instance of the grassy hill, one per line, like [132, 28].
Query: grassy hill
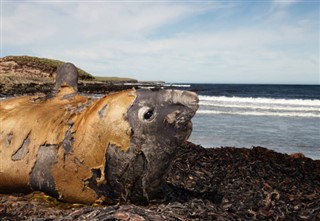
[39, 66]
[28, 67]
[26, 74]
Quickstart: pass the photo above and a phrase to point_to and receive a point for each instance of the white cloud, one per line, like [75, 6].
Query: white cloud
[25, 24]
[284, 3]
[115, 39]
[113, 19]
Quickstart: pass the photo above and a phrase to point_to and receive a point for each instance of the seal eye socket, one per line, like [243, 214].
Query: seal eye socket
[148, 115]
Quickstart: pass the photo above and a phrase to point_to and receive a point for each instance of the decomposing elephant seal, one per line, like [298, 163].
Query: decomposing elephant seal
[77, 149]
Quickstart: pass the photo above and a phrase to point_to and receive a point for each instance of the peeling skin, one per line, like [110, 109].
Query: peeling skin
[81, 134]
[9, 139]
[47, 121]
[67, 142]
[116, 148]
[102, 111]
[23, 150]
[40, 176]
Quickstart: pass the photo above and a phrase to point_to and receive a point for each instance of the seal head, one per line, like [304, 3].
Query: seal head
[160, 122]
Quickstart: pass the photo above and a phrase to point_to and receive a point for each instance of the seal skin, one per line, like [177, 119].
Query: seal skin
[81, 150]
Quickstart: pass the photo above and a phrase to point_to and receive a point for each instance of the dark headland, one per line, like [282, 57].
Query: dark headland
[227, 183]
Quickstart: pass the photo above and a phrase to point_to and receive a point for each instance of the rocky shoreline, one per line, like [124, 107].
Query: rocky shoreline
[86, 87]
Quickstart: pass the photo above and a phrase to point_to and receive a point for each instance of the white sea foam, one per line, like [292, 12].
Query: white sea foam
[223, 99]
[262, 107]
[262, 113]
[180, 85]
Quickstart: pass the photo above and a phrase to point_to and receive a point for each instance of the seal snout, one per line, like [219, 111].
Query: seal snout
[192, 100]
[185, 98]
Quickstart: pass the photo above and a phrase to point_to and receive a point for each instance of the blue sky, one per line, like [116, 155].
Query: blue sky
[175, 41]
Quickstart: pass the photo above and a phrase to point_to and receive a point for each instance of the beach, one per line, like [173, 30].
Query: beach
[87, 131]
[222, 178]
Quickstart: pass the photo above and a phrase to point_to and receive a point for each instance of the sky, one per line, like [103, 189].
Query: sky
[263, 42]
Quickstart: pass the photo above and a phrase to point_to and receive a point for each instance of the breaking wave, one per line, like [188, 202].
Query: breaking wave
[307, 102]
[259, 107]
[180, 85]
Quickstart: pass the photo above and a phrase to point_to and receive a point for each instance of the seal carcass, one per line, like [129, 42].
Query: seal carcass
[115, 148]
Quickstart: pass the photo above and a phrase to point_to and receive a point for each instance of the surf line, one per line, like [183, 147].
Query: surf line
[253, 113]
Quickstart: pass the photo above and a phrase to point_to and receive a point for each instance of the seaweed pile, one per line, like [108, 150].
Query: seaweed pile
[204, 184]
[249, 184]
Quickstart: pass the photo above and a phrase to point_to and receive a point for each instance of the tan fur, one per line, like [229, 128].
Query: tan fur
[34, 122]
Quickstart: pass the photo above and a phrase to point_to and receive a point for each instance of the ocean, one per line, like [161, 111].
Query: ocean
[284, 118]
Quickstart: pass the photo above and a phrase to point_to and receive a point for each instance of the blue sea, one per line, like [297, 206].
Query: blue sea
[284, 118]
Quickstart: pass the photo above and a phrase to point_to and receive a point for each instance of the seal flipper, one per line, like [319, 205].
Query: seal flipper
[67, 75]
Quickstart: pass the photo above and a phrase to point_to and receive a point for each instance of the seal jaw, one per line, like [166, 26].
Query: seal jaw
[123, 172]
